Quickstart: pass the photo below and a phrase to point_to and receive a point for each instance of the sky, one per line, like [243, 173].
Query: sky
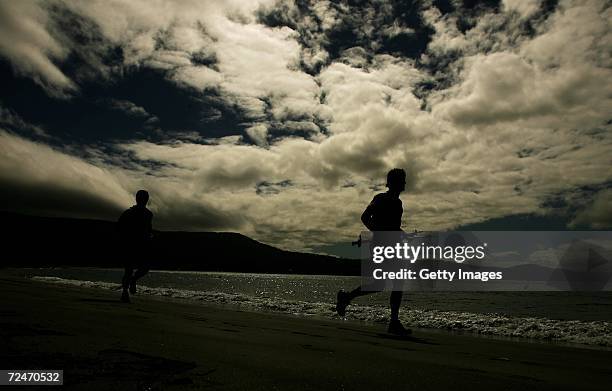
[280, 119]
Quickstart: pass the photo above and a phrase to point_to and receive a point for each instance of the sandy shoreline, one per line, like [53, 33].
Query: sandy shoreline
[156, 344]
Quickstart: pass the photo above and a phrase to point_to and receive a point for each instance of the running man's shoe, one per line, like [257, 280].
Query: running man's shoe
[342, 300]
[396, 328]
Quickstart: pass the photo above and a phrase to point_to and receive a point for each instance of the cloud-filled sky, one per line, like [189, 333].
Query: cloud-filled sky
[279, 119]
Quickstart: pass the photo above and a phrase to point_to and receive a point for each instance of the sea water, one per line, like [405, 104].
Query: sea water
[573, 317]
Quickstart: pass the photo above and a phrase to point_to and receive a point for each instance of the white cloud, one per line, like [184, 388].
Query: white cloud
[578, 33]
[31, 48]
[504, 87]
[523, 118]
[258, 133]
[197, 77]
[525, 8]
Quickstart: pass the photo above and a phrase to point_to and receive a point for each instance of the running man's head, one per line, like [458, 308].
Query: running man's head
[142, 197]
[396, 180]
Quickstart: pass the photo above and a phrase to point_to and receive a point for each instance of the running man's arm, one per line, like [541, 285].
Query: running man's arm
[367, 217]
[120, 227]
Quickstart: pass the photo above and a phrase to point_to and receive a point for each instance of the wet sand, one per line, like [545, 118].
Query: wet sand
[155, 344]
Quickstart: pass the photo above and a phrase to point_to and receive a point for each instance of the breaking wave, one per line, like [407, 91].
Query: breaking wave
[569, 331]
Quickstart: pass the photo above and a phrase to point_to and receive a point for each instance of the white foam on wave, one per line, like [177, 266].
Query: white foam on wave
[571, 331]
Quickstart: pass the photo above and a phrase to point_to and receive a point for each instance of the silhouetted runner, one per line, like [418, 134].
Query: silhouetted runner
[384, 213]
[136, 232]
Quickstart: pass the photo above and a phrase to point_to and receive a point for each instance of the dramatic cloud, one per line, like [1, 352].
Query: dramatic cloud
[11, 120]
[493, 111]
[77, 186]
[542, 79]
[32, 49]
[68, 185]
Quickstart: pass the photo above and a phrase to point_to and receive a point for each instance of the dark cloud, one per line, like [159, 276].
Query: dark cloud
[190, 215]
[597, 214]
[12, 121]
[27, 198]
[61, 200]
[520, 222]
[282, 119]
[32, 50]
[128, 108]
[91, 55]
[101, 112]
[393, 27]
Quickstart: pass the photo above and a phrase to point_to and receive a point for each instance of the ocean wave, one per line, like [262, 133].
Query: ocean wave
[569, 331]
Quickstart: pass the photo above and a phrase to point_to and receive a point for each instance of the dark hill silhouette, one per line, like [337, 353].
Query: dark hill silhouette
[30, 241]
[53, 241]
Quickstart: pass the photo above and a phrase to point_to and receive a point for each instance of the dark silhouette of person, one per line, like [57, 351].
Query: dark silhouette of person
[136, 233]
[384, 213]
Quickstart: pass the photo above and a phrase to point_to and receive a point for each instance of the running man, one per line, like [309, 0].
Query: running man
[383, 214]
[136, 233]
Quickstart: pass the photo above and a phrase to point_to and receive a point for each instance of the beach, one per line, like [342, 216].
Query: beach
[159, 344]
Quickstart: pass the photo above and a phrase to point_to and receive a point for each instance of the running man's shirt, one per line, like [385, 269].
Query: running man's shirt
[386, 212]
[385, 219]
[135, 225]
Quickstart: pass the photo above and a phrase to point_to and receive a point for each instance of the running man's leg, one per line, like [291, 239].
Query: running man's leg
[141, 258]
[127, 277]
[140, 272]
[395, 326]
[343, 299]
[125, 283]
[395, 301]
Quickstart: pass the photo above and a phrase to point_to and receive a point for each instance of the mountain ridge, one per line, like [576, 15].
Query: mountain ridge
[65, 241]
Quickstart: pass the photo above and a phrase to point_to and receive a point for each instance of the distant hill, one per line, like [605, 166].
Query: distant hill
[51, 241]
[521, 222]
[30, 241]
